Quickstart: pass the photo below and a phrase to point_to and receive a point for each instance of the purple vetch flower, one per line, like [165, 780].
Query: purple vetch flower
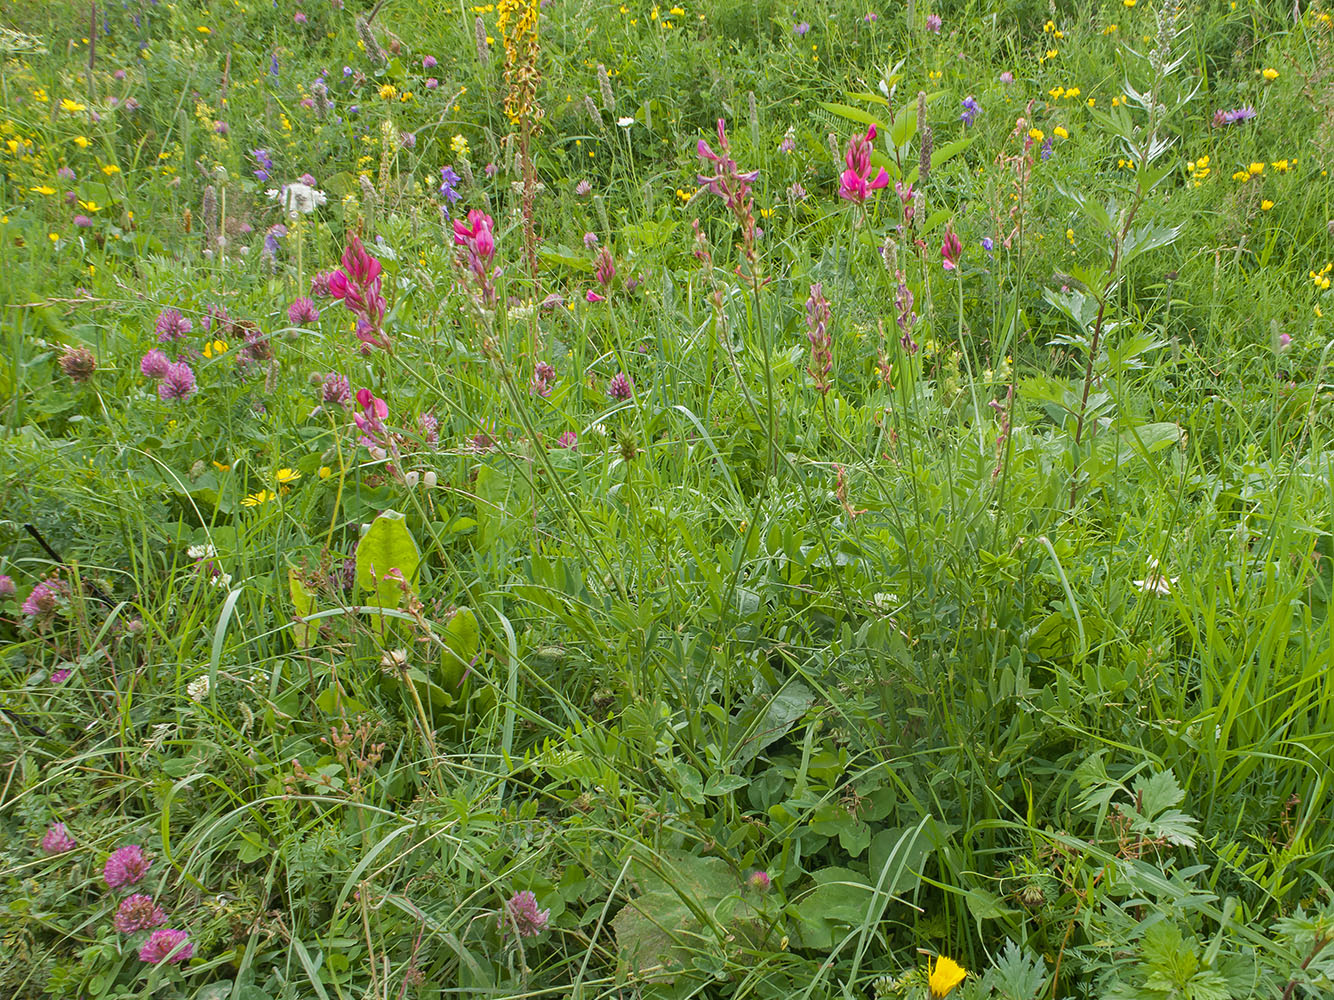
[1046, 148]
[336, 390]
[154, 364]
[138, 913]
[178, 382]
[171, 325]
[271, 238]
[82, 222]
[57, 840]
[971, 109]
[61, 676]
[567, 440]
[620, 387]
[126, 866]
[987, 244]
[522, 915]
[789, 142]
[161, 943]
[801, 28]
[590, 240]
[221, 128]
[933, 23]
[302, 312]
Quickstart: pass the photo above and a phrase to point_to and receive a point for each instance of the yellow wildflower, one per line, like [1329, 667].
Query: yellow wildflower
[1266, 205]
[1255, 168]
[947, 973]
[286, 476]
[459, 145]
[44, 189]
[325, 472]
[1060, 132]
[1036, 134]
[110, 169]
[255, 499]
[388, 92]
[71, 106]
[81, 141]
[1281, 166]
[1270, 74]
[215, 348]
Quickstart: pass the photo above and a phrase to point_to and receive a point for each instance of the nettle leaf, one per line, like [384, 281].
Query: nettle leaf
[386, 546]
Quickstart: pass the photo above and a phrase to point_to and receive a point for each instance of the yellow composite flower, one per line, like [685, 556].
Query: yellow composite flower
[1266, 205]
[945, 976]
[71, 106]
[255, 499]
[1270, 73]
[286, 476]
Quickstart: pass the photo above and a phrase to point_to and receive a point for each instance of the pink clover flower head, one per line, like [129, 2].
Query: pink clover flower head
[126, 866]
[581, 189]
[522, 914]
[138, 913]
[319, 283]
[620, 387]
[178, 382]
[856, 182]
[299, 17]
[82, 222]
[951, 248]
[428, 62]
[171, 325]
[759, 881]
[567, 440]
[43, 600]
[933, 23]
[335, 389]
[57, 840]
[302, 312]
[154, 364]
[7, 587]
[1006, 77]
[160, 944]
[61, 676]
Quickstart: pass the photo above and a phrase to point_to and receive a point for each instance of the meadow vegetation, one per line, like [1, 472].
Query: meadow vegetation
[746, 499]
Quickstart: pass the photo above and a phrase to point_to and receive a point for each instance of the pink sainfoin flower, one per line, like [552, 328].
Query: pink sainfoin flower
[951, 248]
[178, 382]
[357, 283]
[171, 325]
[593, 296]
[370, 421]
[154, 364]
[521, 914]
[319, 283]
[302, 312]
[620, 387]
[138, 913]
[57, 840]
[730, 184]
[590, 240]
[126, 866]
[158, 948]
[822, 342]
[606, 267]
[856, 182]
[477, 237]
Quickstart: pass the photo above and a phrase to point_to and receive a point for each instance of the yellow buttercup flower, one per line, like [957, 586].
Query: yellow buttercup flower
[1270, 73]
[945, 976]
[1266, 205]
[325, 472]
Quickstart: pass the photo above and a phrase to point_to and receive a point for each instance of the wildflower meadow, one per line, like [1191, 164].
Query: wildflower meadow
[743, 499]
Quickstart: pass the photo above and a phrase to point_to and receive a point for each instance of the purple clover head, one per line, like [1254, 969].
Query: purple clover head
[620, 387]
[521, 914]
[178, 382]
[126, 866]
[162, 943]
[57, 840]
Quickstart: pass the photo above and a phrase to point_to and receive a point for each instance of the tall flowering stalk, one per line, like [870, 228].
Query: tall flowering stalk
[730, 184]
[477, 238]
[357, 283]
[517, 21]
[856, 183]
[822, 342]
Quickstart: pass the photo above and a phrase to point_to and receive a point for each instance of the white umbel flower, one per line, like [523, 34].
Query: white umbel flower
[297, 198]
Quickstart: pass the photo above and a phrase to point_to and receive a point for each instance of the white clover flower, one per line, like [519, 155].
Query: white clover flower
[1156, 583]
[200, 552]
[198, 689]
[625, 122]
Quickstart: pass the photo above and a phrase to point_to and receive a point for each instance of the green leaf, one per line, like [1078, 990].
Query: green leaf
[857, 114]
[387, 546]
[304, 604]
[724, 784]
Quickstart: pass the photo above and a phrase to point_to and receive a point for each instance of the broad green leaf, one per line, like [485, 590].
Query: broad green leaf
[303, 603]
[386, 546]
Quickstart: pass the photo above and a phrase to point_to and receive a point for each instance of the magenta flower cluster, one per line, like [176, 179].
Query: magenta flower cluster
[478, 239]
[357, 283]
[521, 914]
[856, 182]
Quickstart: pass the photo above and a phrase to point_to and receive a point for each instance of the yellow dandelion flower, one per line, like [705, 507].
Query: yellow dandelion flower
[1072, 93]
[677, 12]
[1055, 92]
[286, 476]
[945, 976]
[255, 499]
[71, 106]
[1091, 101]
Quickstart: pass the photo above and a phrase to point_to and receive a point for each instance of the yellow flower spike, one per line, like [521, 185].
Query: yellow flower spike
[945, 976]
